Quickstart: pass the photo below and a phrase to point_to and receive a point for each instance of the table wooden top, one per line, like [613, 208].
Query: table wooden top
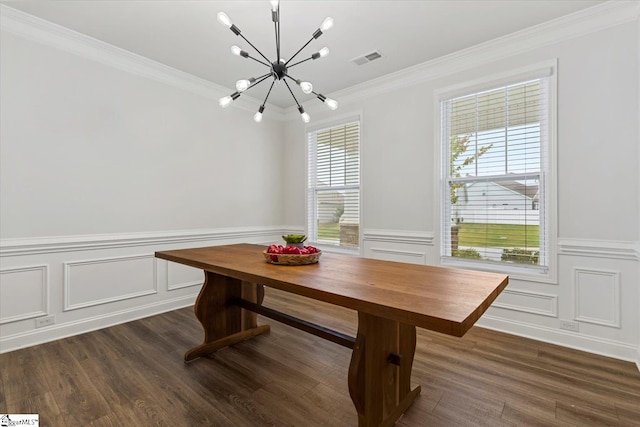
[440, 299]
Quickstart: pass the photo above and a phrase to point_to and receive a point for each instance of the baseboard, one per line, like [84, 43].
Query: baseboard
[601, 346]
[65, 330]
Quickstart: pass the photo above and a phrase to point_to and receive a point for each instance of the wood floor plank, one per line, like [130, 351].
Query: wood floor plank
[74, 392]
[22, 377]
[629, 413]
[586, 413]
[133, 374]
[334, 401]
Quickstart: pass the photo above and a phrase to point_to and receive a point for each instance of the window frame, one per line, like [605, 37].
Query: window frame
[529, 273]
[322, 125]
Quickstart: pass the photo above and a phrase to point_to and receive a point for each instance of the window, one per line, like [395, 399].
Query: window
[495, 204]
[334, 185]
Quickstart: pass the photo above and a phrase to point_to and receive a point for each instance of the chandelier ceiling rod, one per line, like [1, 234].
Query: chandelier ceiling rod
[279, 68]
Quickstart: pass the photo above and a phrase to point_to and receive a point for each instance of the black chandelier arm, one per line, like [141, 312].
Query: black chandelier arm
[275, 27]
[291, 92]
[300, 62]
[300, 50]
[255, 48]
[320, 96]
[294, 80]
[258, 81]
[268, 93]
[275, 16]
[257, 60]
[279, 33]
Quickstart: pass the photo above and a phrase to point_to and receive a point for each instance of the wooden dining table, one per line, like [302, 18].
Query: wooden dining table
[391, 299]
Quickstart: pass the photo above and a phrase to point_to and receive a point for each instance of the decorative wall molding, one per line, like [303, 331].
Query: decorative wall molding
[109, 273]
[178, 276]
[395, 252]
[183, 285]
[68, 285]
[43, 310]
[398, 255]
[565, 28]
[605, 292]
[47, 33]
[539, 303]
[600, 248]
[397, 236]
[42, 245]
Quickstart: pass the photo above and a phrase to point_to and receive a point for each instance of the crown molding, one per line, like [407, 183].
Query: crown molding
[47, 33]
[578, 24]
[593, 19]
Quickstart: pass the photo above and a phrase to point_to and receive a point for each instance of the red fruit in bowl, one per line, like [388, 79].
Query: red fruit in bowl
[274, 258]
[311, 249]
[275, 249]
[304, 251]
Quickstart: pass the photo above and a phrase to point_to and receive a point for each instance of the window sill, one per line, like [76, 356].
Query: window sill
[336, 249]
[517, 272]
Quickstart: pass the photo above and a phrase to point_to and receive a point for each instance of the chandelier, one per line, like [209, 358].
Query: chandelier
[278, 69]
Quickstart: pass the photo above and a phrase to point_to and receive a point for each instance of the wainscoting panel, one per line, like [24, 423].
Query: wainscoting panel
[23, 293]
[181, 276]
[399, 256]
[101, 281]
[528, 302]
[400, 246]
[90, 282]
[597, 296]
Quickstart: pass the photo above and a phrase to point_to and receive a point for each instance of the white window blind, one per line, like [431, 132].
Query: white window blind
[334, 185]
[494, 189]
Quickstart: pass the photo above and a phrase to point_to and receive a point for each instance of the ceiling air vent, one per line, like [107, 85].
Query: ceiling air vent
[365, 59]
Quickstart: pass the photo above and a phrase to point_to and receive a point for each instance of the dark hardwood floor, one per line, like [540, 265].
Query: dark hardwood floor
[133, 375]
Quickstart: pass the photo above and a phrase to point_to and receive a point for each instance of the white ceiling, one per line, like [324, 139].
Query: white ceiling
[186, 35]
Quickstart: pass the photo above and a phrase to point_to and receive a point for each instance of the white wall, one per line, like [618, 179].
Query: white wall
[88, 148]
[595, 282]
[638, 194]
[106, 158]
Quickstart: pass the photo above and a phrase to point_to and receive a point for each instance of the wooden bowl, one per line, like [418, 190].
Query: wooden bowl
[291, 259]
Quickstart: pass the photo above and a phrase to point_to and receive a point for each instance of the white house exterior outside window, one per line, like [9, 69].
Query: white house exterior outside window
[333, 211]
[495, 173]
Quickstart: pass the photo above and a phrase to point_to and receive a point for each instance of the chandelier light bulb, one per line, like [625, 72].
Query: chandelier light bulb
[327, 24]
[274, 5]
[236, 50]
[323, 52]
[257, 117]
[224, 101]
[303, 115]
[306, 87]
[331, 103]
[224, 19]
[242, 85]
